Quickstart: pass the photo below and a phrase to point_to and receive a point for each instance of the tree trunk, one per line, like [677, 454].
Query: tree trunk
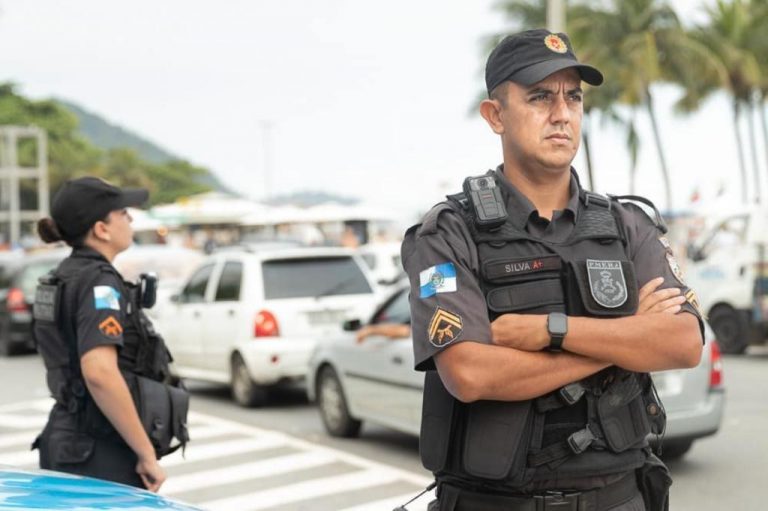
[659, 149]
[588, 153]
[753, 150]
[761, 109]
[740, 150]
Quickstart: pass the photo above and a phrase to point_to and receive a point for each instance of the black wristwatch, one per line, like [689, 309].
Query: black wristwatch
[557, 326]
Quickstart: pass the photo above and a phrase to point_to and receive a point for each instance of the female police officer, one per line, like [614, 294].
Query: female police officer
[92, 343]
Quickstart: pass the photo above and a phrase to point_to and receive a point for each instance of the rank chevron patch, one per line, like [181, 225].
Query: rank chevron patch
[444, 327]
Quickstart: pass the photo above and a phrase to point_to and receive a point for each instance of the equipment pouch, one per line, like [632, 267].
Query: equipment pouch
[653, 480]
[68, 447]
[437, 416]
[162, 410]
[498, 427]
[622, 414]
[607, 288]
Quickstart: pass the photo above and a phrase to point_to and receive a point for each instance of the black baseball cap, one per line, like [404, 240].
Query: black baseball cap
[531, 56]
[82, 202]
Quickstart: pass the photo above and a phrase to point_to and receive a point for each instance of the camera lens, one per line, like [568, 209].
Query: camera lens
[482, 183]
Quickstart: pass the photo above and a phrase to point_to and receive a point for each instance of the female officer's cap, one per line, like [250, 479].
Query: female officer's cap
[82, 202]
[529, 57]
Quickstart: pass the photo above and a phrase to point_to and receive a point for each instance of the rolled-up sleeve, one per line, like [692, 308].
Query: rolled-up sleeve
[447, 303]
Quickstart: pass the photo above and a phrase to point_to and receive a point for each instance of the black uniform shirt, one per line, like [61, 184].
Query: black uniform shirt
[101, 308]
[451, 248]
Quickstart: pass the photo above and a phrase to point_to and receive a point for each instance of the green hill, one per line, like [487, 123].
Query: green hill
[105, 135]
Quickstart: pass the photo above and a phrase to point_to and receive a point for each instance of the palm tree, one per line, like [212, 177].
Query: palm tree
[727, 36]
[759, 49]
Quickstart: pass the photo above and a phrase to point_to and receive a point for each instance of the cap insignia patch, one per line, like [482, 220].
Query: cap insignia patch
[554, 43]
[444, 327]
[111, 327]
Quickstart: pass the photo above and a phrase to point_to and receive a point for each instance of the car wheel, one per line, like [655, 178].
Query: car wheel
[244, 391]
[730, 329]
[675, 449]
[333, 406]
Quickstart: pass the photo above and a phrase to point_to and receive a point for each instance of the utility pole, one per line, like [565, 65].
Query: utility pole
[11, 173]
[266, 140]
[556, 15]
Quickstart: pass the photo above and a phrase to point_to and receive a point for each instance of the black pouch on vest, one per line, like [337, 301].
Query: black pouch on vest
[162, 410]
[69, 447]
[653, 480]
[607, 287]
[502, 428]
[436, 420]
[621, 409]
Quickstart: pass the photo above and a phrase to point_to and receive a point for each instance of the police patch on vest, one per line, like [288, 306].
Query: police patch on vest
[444, 327]
[111, 327]
[606, 283]
[676, 271]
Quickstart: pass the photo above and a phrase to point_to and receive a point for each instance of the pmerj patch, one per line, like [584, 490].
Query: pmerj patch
[106, 297]
[437, 279]
[607, 283]
[444, 327]
[676, 271]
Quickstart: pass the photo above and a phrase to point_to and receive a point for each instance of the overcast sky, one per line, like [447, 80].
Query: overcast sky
[362, 98]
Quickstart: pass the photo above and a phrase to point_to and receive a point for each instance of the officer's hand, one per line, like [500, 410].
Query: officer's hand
[664, 300]
[527, 332]
[151, 473]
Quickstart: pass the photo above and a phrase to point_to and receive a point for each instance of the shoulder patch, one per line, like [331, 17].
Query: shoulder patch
[444, 327]
[106, 297]
[437, 279]
[111, 327]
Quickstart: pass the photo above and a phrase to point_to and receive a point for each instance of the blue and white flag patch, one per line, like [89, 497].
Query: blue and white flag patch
[106, 297]
[437, 279]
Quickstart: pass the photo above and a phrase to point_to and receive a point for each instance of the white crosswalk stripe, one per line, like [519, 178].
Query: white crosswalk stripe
[231, 465]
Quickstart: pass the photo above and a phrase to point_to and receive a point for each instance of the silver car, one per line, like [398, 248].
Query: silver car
[375, 381]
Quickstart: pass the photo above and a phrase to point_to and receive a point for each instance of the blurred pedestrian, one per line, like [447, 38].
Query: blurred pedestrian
[538, 310]
[116, 410]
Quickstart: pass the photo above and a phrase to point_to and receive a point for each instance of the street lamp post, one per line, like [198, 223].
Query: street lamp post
[556, 15]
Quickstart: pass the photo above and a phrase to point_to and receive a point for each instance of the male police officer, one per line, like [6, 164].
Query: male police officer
[538, 308]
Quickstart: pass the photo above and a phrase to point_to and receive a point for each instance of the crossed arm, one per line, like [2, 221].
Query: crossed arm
[517, 367]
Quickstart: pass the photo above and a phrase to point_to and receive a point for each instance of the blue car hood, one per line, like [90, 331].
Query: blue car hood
[32, 490]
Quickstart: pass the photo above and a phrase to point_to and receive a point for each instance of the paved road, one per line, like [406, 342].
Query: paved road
[278, 458]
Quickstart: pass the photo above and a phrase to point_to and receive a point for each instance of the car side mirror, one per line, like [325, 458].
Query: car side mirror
[352, 325]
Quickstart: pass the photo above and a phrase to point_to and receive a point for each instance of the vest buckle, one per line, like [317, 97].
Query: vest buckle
[571, 393]
[557, 501]
[581, 440]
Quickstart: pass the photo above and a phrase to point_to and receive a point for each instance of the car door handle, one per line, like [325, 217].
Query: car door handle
[397, 360]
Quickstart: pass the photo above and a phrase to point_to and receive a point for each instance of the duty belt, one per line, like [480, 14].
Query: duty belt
[455, 498]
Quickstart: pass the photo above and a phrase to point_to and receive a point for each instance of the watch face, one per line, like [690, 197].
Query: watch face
[557, 324]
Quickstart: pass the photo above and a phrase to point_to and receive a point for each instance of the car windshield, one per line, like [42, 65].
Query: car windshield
[311, 277]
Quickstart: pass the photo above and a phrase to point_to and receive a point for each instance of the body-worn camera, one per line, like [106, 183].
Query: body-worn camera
[147, 290]
[485, 197]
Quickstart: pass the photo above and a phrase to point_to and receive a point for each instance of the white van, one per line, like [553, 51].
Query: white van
[729, 272]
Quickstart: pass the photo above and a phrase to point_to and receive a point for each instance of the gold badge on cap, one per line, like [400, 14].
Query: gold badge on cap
[555, 44]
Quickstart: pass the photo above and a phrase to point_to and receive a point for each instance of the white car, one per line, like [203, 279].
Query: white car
[383, 259]
[375, 381]
[251, 320]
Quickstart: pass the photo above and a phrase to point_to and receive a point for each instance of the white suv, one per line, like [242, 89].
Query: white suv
[253, 319]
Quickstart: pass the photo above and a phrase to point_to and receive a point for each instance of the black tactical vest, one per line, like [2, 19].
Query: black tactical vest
[143, 358]
[594, 427]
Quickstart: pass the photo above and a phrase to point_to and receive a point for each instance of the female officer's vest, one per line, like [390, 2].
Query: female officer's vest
[594, 427]
[162, 407]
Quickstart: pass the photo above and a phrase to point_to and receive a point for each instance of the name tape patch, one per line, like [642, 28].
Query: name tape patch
[514, 267]
[437, 279]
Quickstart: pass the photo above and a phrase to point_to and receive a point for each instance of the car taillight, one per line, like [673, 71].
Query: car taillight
[715, 367]
[15, 300]
[265, 325]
